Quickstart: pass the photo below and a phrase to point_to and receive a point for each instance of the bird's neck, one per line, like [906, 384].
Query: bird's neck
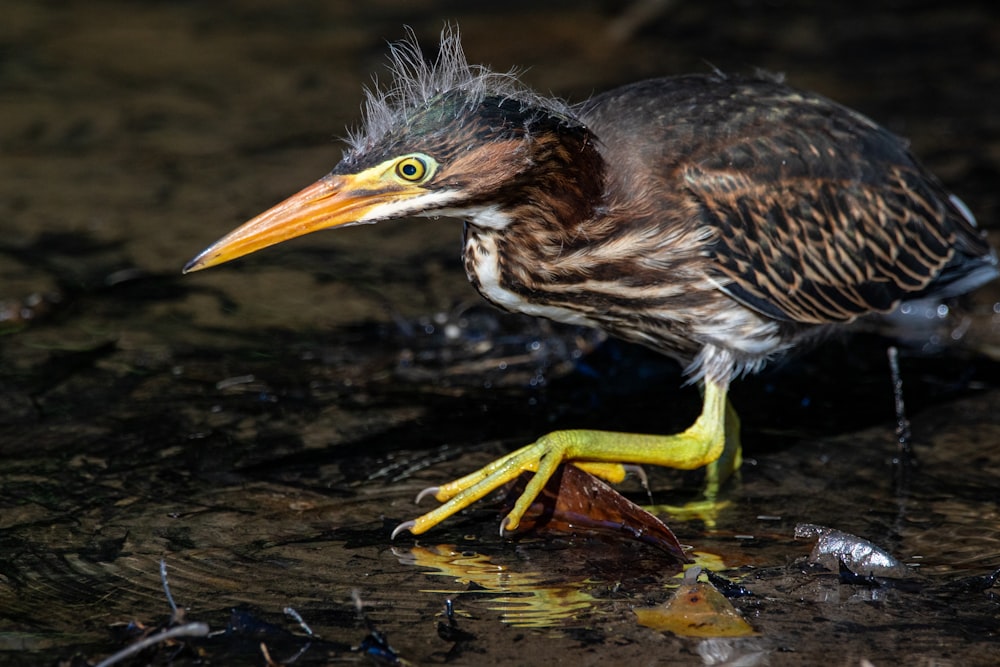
[522, 238]
[565, 184]
[560, 185]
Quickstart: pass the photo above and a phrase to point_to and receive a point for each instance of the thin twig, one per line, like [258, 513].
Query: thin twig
[904, 456]
[904, 460]
[166, 588]
[903, 433]
[267, 655]
[301, 621]
[187, 630]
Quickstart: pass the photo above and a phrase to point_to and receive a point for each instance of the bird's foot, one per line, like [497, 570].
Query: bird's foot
[541, 458]
[605, 454]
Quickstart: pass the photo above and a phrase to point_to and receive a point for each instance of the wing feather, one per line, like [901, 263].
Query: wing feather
[825, 217]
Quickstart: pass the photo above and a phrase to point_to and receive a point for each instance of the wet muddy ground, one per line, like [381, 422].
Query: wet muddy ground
[260, 428]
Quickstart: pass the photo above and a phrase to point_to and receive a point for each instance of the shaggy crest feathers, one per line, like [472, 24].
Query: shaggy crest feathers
[417, 82]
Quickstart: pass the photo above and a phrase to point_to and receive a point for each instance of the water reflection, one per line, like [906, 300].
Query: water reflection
[524, 599]
[524, 596]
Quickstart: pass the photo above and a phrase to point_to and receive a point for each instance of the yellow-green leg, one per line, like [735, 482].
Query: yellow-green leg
[600, 452]
[707, 508]
[719, 470]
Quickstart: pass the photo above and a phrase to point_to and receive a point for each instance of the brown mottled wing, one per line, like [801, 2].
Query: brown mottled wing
[822, 216]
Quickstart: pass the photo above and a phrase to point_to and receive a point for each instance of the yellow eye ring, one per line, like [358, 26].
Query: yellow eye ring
[411, 169]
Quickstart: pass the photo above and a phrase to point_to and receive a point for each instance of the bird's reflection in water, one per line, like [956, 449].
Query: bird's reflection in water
[525, 597]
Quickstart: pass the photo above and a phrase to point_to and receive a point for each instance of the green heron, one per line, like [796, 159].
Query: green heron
[720, 220]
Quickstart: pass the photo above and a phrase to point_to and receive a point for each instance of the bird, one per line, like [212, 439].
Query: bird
[723, 220]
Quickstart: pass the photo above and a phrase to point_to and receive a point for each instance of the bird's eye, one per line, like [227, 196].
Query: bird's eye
[412, 169]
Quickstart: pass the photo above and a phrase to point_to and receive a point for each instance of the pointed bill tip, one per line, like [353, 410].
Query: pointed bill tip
[196, 264]
[329, 202]
[219, 252]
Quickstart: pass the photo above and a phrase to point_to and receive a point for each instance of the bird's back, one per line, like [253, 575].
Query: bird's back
[814, 213]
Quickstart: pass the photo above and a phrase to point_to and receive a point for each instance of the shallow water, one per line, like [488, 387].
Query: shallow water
[262, 427]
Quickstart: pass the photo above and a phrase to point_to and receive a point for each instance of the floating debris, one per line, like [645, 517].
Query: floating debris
[834, 547]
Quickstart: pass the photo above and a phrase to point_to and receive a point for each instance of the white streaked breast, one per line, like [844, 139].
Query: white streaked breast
[487, 274]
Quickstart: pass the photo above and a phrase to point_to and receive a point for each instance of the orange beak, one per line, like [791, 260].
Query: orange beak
[332, 201]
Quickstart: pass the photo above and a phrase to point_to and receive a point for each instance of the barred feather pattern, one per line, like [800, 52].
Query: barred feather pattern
[806, 214]
[841, 254]
[649, 290]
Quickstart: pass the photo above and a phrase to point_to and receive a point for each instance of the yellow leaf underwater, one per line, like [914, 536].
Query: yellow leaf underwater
[696, 610]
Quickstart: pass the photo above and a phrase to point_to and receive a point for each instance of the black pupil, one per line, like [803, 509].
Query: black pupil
[409, 169]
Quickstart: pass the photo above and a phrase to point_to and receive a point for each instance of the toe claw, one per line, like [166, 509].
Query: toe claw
[509, 525]
[639, 472]
[429, 491]
[406, 525]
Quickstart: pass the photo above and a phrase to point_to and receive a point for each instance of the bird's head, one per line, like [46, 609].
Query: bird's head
[446, 139]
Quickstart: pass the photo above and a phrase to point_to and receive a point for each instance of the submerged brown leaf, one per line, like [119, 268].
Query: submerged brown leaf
[576, 502]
